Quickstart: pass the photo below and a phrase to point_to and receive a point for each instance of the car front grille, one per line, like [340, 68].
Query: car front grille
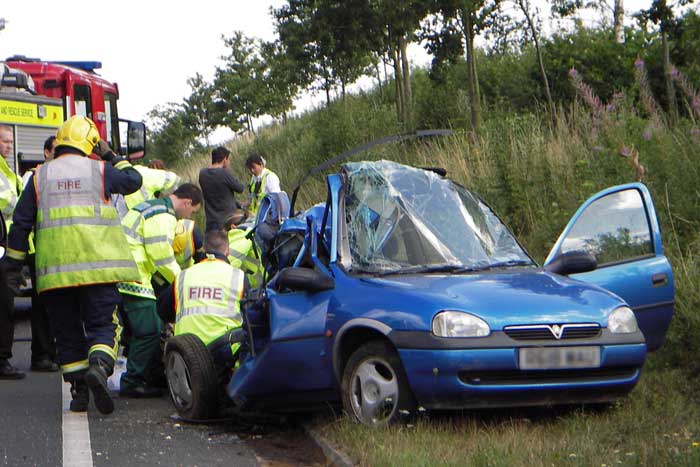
[534, 377]
[552, 331]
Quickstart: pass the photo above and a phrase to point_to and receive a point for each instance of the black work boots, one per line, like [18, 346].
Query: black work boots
[96, 379]
[81, 396]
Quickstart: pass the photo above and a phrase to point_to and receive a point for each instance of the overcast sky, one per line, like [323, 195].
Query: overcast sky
[149, 47]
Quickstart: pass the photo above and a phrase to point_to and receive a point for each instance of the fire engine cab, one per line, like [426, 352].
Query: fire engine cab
[37, 96]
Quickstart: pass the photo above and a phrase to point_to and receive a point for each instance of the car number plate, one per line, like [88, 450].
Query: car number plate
[551, 358]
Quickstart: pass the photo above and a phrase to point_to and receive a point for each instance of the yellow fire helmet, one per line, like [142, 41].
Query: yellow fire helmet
[78, 132]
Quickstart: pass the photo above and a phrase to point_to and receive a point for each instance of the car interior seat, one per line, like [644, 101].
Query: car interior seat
[274, 210]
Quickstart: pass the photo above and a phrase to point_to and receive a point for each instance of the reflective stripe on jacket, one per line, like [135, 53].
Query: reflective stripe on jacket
[154, 181]
[78, 237]
[150, 229]
[242, 256]
[257, 191]
[207, 300]
[10, 190]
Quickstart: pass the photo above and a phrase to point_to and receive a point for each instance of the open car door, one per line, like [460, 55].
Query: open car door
[619, 227]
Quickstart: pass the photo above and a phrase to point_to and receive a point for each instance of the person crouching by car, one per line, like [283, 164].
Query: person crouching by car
[242, 254]
[150, 231]
[204, 300]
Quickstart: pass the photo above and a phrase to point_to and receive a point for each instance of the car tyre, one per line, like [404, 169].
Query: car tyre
[192, 378]
[374, 386]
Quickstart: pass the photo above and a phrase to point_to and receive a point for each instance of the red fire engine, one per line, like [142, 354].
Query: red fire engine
[82, 92]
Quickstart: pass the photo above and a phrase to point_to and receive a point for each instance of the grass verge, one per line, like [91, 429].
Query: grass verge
[658, 424]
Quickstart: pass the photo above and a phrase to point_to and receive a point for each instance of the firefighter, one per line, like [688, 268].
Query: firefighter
[150, 230]
[81, 253]
[262, 182]
[10, 188]
[242, 254]
[188, 246]
[43, 346]
[156, 183]
[204, 300]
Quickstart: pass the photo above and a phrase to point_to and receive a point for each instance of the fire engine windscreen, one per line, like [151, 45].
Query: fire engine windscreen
[403, 219]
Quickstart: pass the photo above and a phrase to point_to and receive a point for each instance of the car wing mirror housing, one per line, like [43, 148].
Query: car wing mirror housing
[572, 262]
[304, 279]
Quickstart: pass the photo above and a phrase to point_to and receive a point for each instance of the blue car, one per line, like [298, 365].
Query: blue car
[405, 290]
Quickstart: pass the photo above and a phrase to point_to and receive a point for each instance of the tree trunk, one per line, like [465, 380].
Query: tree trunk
[342, 89]
[406, 74]
[386, 73]
[472, 79]
[327, 88]
[379, 79]
[398, 81]
[249, 118]
[618, 21]
[670, 89]
[525, 7]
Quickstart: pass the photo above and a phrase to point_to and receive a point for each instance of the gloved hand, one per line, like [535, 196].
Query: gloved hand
[103, 150]
[11, 269]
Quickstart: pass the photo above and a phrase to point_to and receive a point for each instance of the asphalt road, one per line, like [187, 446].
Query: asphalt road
[139, 432]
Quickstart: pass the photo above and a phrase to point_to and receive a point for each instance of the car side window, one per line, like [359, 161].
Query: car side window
[614, 228]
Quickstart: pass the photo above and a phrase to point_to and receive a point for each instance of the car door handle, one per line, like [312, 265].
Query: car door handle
[660, 279]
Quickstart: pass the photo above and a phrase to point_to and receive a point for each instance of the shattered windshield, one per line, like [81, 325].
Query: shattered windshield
[402, 219]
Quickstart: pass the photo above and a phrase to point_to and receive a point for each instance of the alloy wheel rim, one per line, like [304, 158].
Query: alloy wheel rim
[374, 392]
[179, 382]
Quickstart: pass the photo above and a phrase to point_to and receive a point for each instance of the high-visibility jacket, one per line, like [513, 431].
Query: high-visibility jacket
[10, 189]
[150, 229]
[154, 181]
[242, 256]
[207, 300]
[25, 180]
[78, 238]
[256, 188]
[183, 244]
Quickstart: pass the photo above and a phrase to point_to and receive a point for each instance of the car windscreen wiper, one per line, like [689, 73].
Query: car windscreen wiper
[505, 264]
[426, 269]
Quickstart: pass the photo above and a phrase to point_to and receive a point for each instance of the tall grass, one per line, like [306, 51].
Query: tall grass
[658, 425]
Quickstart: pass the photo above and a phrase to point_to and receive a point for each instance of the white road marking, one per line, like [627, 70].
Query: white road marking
[76, 434]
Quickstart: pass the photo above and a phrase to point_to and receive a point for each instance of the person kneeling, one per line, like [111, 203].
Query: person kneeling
[204, 300]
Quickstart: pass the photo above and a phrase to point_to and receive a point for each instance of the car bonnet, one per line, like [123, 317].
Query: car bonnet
[502, 298]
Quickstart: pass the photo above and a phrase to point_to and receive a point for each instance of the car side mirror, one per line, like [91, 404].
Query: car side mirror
[304, 279]
[135, 139]
[572, 262]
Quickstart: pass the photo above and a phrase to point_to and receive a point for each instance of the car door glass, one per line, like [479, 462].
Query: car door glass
[613, 228]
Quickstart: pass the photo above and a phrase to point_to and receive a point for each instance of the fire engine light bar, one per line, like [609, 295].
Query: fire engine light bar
[89, 66]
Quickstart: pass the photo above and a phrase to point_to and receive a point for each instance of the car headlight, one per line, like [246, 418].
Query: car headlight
[459, 324]
[622, 321]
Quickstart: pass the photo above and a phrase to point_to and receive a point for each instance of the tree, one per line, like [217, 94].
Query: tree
[241, 90]
[398, 21]
[533, 27]
[618, 21]
[282, 78]
[199, 106]
[661, 13]
[170, 136]
[469, 18]
[332, 42]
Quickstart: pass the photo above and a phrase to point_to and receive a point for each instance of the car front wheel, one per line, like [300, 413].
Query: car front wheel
[191, 376]
[374, 386]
